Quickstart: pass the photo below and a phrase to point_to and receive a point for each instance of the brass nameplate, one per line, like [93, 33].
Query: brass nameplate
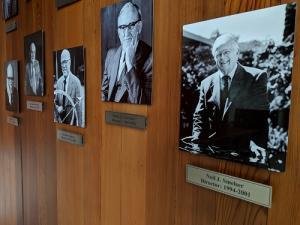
[125, 119]
[256, 193]
[72, 138]
[13, 121]
[11, 26]
[35, 106]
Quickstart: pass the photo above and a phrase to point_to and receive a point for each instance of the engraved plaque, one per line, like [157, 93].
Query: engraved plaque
[13, 121]
[35, 106]
[72, 138]
[256, 193]
[125, 119]
[11, 26]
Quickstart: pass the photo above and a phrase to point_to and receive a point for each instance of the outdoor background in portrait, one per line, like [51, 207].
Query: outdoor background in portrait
[266, 39]
[77, 68]
[38, 39]
[109, 25]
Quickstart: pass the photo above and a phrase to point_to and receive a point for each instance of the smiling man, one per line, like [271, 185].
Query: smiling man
[231, 114]
[127, 75]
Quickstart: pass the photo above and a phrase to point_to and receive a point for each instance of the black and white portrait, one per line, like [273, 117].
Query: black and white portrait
[34, 67]
[9, 8]
[236, 86]
[127, 52]
[11, 85]
[61, 3]
[69, 86]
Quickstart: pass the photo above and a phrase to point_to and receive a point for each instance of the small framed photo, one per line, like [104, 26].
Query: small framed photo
[127, 59]
[34, 64]
[11, 70]
[62, 3]
[69, 86]
[9, 9]
[236, 86]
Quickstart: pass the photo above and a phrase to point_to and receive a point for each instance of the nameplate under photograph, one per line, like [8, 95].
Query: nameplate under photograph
[11, 26]
[246, 190]
[72, 138]
[13, 121]
[35, 106]
[125, 119]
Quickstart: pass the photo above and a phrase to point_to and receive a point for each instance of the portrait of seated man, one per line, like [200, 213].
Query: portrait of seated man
[9, 8]
[34, 78]
[127, 70]
[11, 91]
[69, 93]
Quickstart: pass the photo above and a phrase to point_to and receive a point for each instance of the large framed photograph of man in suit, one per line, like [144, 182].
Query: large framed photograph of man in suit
[236, 86]
[69, 86]
[11, 71]
[9, 9]
[34, 64]
[126, 50]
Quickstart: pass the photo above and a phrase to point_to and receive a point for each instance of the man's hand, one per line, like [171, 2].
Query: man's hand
[260, 153]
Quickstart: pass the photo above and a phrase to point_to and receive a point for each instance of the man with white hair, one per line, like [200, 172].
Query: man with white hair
[69, 101]
[231, 114]
[34, 79]
[11, 93]
[127, 75]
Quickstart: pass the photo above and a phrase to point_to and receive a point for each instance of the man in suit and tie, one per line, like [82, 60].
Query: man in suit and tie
[231, 115]
[34, 79]
[11, 92]
[9, 8]
[127, 75]
[68, 100]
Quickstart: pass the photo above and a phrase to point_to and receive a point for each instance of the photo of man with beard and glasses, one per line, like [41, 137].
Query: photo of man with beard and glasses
[127, 56]
[11, 86]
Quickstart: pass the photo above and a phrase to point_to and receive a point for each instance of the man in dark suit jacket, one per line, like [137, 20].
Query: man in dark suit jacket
[127, 75]
[10, 8]
[231, 115]
[11, 92]
[34, 79]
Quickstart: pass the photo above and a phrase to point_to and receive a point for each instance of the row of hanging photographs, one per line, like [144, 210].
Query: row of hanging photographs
[236, 78]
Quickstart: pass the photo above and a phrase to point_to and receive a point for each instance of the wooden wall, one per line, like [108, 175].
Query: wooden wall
[123, 176]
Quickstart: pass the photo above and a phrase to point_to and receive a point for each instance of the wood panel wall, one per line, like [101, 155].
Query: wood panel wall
[123, 176]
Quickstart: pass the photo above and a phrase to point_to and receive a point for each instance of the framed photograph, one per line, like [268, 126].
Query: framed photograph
[236, 86]
[127, 60]
[9, 9]
[34, 64]
[62, 3]
[69, 86]
[11, 70]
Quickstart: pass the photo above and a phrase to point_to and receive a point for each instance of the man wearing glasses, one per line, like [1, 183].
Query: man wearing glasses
[232, 110]
[11, 93]
[68, 101]
[127, 75]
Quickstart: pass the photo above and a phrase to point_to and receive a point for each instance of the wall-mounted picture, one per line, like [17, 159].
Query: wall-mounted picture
[62, 3]
[127, 52]
[236, 86]
[34, 64]
[69, 86]
[11, 85]
[9, 8]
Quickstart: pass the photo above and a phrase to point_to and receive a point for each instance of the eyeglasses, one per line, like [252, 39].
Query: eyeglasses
[130, 26]
[10, 78]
